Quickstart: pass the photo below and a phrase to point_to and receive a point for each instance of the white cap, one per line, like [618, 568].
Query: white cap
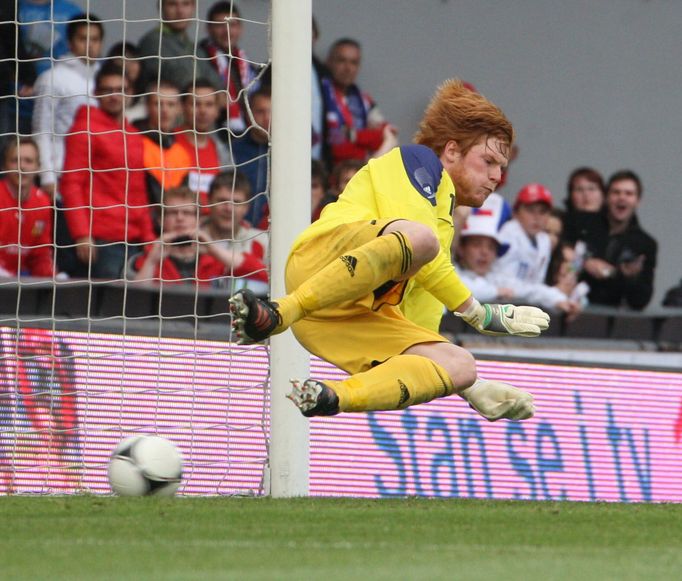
[488, 219]
[481, 226]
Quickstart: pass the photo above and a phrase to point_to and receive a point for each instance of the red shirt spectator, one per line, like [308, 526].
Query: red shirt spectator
[355, 127]
[199, 137]
[103, 186]
[185, 253]
[26, 215]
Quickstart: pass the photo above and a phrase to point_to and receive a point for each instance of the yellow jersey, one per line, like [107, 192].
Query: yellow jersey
[407, 183]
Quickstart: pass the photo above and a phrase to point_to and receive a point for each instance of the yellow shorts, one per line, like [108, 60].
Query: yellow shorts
[355, 335]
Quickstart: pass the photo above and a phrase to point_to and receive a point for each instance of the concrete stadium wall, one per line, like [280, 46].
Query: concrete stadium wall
[584, 82]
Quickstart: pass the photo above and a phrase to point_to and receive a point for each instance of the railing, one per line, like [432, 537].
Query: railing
[186, 311]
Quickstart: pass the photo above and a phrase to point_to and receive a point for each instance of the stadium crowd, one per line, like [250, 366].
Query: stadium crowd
[151, 164]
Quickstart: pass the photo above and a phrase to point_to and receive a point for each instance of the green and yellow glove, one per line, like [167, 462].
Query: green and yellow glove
[505, 319]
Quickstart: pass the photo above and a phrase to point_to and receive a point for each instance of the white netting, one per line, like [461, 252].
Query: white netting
[104, 333]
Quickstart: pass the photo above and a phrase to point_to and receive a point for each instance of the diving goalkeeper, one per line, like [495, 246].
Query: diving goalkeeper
[385, 244]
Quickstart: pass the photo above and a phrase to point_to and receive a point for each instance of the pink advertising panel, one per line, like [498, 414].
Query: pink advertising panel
[67, 398]
[599, 434]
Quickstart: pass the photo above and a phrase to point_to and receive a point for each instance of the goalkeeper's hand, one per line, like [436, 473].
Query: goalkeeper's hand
[505, 319]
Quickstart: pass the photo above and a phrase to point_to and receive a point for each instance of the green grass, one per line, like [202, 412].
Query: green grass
[260, 538]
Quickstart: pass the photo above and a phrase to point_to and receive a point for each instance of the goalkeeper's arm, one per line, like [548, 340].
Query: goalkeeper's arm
[440, 279]
[493, 319]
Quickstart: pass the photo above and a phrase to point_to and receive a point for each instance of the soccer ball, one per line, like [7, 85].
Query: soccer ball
[145, 466]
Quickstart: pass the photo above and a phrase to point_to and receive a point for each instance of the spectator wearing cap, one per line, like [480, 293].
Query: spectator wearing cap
[621, 256]
[530, 249]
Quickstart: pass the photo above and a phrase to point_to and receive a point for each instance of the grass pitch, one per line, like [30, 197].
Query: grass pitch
[97, 538]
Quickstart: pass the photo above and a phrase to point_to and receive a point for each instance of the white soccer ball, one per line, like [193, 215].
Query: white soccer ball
[145, 466]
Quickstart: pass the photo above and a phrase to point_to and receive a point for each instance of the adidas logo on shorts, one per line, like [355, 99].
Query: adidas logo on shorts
[351, 262]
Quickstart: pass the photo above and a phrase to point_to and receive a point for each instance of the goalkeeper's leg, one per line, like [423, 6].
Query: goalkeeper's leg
[396, 254]
[424, 372]
[494, 400]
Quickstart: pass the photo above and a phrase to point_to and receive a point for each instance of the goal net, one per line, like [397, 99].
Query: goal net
[121, 332]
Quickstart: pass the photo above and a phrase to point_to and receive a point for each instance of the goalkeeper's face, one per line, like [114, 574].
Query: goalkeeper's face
[477, 172]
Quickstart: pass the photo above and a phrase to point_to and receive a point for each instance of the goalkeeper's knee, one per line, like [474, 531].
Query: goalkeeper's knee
[496, 400]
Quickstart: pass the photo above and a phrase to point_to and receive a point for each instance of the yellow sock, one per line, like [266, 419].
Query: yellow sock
[400, 382]
[352, 275]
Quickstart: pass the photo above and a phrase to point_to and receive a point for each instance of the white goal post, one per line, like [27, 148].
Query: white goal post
[290, 210]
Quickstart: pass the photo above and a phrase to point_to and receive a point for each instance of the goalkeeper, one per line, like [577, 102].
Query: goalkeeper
[385, 244]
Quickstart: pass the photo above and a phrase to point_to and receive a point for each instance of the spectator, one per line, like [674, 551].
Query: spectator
[183, 253]
[198, 135]
[251, 156]
[477, 253]
[478, 248]
[566, 262]
[495, 207]
[229, 198]
[319, 193]
[673, 296]
[168, 51]
[61, 91]
[356, 129]
[319, 145]
[103, 186]
[17, 74]
[342, 174]
[43, 30]
[621, 255]
[127, 56]
[230, 62]
[26, 214]
[166, 159]
[529, 252]
[583, 203]
[43, 27]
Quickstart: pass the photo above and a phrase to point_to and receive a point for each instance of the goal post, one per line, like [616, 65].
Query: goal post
[291, 31]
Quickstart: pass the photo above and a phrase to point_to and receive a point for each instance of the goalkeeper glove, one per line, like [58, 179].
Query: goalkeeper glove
[505, 319]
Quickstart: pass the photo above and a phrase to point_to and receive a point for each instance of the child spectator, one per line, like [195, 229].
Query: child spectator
[26, 214]
[478, 248]
[494, 208]
[183, 253]
[61, 91]
[528, 257]
[229, 198]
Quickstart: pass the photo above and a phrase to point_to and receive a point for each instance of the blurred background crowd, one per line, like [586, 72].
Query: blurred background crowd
[150, 163]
